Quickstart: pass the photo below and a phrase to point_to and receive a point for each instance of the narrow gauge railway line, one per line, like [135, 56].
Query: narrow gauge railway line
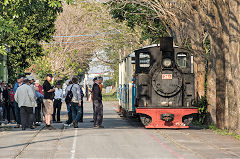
[165, 135]
[177, 144]
[193, 136]
[31, 141]
[57, 142]
[187, 134]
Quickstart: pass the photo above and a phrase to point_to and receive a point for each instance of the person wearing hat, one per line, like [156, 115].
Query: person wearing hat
[57, 104]
[40, 88]
[24, 96]
[48, 101]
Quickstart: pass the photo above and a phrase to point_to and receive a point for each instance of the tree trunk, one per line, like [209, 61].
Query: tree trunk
[200, 72]
[196, 33]
[220, 48]
[211, 88]
[233, 68]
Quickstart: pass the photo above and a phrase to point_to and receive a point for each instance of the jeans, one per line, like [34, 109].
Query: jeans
[17, 113]
[76, 112]
[81, 119]
[27, 116]
[57, 107]
[69, 110]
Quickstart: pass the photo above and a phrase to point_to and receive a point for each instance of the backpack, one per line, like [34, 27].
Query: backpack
[69, 96]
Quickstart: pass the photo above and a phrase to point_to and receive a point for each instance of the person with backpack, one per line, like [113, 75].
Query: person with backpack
[74, 95]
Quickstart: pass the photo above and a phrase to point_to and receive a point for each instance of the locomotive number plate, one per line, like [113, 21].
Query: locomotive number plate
[167, 76]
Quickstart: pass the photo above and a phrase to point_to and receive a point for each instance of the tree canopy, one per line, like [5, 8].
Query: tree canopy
[135, 14]
[29, 23]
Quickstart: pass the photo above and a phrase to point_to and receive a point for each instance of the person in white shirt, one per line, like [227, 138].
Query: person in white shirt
[57, 104]
[24, 96]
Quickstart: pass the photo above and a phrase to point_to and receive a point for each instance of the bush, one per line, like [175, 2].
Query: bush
[109, 82]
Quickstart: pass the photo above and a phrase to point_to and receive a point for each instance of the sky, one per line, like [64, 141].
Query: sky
[97, 67]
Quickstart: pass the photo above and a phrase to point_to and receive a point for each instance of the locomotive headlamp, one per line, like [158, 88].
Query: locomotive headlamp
[167, 62]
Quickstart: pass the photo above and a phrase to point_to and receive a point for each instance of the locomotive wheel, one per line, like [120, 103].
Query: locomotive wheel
[145, 119]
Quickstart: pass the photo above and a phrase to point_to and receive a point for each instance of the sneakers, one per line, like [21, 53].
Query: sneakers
[68, 122]
[98, 126]
[37, 124]
[32, 127]
[75, 124]
[17, 126]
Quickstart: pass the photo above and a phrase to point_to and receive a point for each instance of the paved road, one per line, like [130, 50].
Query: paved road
[119, 139]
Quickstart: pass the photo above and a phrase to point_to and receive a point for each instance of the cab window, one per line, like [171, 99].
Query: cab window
[182, 60]
[144, 60]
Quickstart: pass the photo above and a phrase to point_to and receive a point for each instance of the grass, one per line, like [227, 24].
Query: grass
[212, 127]
[110, 96]
[224, 132]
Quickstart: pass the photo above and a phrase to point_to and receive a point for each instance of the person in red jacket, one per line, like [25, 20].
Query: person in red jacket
[40, 87]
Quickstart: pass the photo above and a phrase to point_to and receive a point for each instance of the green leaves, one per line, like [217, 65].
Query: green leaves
[138, 15]
[3, 50]
[202, 109]
[23, 24]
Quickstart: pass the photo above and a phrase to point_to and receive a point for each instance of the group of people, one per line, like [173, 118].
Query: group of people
[29, 101]
[75, 105]
[11, 109]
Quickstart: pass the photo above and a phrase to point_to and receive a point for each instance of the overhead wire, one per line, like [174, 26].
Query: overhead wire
[95, 34]
[84, 41]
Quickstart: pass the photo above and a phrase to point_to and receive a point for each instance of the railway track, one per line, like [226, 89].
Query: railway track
[187, 134]
[31, 140]
[193, 136]
[177, 144]
[207, 142]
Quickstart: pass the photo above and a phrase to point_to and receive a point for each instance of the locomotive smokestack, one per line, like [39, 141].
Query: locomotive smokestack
[166, 44]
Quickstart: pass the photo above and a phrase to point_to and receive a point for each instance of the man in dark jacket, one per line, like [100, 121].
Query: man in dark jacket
[97, 103]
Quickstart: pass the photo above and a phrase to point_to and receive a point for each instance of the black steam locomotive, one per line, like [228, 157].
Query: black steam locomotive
[157, 83]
